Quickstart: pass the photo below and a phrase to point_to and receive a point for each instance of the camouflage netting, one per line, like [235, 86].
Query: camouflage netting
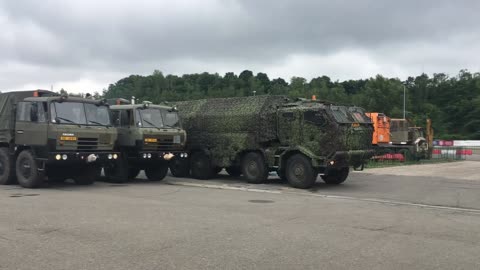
[255, 115]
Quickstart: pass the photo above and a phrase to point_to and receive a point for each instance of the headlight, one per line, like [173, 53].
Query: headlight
[58, 157]
[115, 156]
[64, 157]
[149, 155]
[110, 156]
[144, 155]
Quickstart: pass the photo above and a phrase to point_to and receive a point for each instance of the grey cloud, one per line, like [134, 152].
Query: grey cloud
[72, 37]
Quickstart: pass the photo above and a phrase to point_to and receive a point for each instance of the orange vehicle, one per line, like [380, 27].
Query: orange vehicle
[392, 136]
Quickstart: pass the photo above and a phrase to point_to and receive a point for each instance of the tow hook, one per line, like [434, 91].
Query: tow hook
[91, 158]
[168, 156]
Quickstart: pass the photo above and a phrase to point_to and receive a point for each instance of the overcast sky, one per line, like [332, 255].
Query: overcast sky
[83, 46]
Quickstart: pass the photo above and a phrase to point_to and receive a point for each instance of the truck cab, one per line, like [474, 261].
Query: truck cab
[55, 136]
[149, 137]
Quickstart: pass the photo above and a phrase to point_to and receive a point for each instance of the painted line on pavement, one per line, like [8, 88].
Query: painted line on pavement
[371, 200]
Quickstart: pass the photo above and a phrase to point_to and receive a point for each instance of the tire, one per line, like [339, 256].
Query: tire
[118, 172]
[233, 171]
[6, 172]
[156, 173]
[179, 167]
[336, 176]
[201, 166]
[299, 172]
[27, 172]
[87, 176]
[254, 168]
[133, 173]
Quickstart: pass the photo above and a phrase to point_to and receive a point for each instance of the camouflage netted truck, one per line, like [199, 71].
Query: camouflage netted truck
[43, 134]
[255, 135]
[149, 136]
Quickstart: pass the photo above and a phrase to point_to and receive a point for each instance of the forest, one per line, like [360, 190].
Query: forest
[452, 102]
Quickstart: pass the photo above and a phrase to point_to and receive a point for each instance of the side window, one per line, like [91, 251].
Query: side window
[124, 118]
[315, 117]
[42, 112]
[116, 118]
[31, 111]
[23, 111]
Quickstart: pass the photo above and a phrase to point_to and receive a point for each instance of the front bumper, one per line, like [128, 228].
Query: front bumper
[82, 157]
[158, 156]
[355, 158]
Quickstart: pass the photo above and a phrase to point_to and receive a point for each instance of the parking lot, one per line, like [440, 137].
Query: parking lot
[407, 217]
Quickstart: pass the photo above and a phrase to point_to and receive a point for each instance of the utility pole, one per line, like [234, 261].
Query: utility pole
[404, 102]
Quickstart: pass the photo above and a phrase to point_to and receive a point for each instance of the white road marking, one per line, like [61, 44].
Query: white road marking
[371, 200]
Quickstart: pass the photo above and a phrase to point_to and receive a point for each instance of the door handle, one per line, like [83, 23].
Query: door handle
[20, 131]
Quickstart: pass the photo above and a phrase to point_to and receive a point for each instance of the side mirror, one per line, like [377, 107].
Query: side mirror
[34, 112]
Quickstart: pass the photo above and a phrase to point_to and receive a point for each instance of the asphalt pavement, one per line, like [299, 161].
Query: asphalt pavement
[409, 217]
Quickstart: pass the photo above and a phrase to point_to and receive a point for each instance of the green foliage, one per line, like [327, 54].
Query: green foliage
[453, 103]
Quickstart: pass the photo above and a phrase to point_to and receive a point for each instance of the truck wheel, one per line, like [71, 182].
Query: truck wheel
[179, 167]
[254, 168]
[6, 177]
[201, 166]
[233, 171]
[133, 173]
[299, 172]
[118, 172]
[87, 176]
[26, 167]
[336, 176]
[156, 173]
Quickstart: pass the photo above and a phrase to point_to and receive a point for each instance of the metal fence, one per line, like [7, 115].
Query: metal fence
[451, 152]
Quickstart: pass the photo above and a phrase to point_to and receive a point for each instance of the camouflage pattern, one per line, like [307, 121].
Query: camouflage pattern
[228, 127]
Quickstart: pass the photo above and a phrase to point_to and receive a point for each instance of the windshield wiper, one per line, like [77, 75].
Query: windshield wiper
[98, 123]
[150, 123]
[68, 120]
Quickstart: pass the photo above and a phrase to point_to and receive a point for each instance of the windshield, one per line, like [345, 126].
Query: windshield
[79, 113]
[151, 118]
[344, 114]
[170, 118]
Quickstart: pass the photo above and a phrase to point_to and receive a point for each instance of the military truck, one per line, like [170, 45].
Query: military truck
[256, 135]
[149, 136]
[44, 134]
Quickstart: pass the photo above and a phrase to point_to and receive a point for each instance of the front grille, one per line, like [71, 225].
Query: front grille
[358, 139]
[162, 144]
[87, 144]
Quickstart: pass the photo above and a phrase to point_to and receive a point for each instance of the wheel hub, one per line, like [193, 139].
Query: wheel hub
[252, 167]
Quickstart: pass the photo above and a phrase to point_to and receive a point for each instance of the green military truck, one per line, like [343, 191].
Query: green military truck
[149, 136]
[256, 135]
[43, 134]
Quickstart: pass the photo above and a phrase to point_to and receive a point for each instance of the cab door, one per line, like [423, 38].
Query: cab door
[122, 120]
[31, 124]
[290, 127]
